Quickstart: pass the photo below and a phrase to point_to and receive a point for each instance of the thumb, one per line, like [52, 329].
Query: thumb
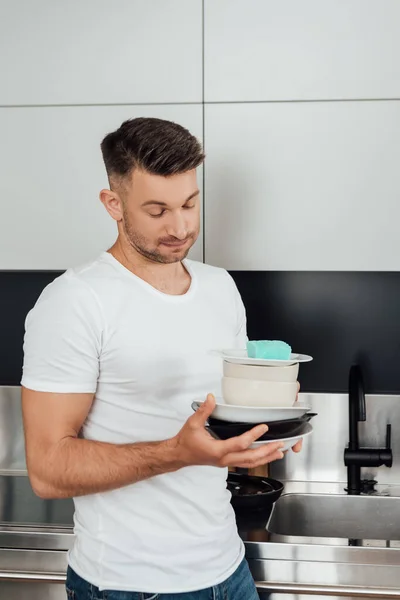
[204, 411]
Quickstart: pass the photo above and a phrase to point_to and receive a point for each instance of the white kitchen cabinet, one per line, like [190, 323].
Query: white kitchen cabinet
[108, 52]
[301, 50]
[52, 172]
[303, 186]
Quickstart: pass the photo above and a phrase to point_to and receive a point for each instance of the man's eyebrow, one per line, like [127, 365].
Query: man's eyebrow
[159, 203]
[156, 202]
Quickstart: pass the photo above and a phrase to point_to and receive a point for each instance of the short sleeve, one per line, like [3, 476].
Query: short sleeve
[240, 315]
[62, 341]
[241, 334]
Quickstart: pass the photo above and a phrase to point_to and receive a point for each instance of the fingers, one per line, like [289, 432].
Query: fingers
[254, 456]
[203, 412]
[297, 447]
[253, 464]
[244, 441]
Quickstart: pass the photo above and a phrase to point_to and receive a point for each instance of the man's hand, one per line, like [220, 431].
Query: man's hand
[195, 446]
[298, 447]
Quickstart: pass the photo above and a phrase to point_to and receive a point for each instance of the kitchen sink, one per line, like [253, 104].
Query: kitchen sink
[336, 516]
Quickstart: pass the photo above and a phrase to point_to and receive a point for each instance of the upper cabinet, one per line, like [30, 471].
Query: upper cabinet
[301, 49]
[52, 172]
[108, 52]
[303, 186]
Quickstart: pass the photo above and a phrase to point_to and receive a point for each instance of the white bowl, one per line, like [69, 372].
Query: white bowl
[287, 374]
[252, 392]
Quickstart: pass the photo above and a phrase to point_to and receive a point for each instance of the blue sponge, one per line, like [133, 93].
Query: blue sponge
[269, 349]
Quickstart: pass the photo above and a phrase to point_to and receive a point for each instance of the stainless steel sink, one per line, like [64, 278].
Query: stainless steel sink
[336, 516]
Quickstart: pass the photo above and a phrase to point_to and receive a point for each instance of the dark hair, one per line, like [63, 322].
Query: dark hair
[154, 145]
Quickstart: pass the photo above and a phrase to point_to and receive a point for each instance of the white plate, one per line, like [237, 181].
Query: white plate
[240, 357]
[289, 442]
[254, 414]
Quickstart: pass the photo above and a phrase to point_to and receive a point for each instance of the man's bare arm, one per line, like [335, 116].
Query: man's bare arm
[61, 464]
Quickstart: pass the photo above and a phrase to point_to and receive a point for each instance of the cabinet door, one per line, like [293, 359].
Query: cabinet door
[90, 52]
[51, 217]
[302, 186]
[308, 50]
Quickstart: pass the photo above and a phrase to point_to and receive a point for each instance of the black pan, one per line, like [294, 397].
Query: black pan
[249, 492]
[277, 429]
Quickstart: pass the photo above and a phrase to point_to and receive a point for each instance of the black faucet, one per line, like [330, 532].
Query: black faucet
[354, 456]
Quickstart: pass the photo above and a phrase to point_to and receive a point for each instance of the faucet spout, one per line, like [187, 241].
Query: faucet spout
[357, 410]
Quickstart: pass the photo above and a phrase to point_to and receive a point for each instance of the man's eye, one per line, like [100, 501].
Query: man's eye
[157, 215]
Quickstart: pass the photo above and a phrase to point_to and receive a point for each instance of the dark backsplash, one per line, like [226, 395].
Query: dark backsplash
[337, 317]
[19, 291]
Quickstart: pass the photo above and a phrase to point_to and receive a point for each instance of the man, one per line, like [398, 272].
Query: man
[115, 352]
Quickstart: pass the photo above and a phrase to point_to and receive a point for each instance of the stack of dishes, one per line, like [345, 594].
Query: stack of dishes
[258, 390]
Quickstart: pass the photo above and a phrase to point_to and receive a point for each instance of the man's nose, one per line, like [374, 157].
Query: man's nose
[177, 226]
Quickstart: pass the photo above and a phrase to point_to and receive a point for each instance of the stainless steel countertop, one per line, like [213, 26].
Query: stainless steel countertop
[29, 522]
[277, 563]
[23, 514]
[19, 505]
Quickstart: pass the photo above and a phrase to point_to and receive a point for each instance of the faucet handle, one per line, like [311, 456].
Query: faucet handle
[388, 436]
[386, 455]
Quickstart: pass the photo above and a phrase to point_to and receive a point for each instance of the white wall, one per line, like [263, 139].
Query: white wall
[303, 186]
[302, 134]
[259, 50]
[53, 173]
[70, 73]
[301, 123]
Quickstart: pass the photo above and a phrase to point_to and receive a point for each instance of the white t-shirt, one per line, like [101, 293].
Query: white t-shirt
[146, 356]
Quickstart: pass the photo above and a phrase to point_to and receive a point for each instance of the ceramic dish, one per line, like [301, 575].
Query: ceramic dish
[286, 374]
[251, 392]
[288, 442]
[253, 414]
[240, 357]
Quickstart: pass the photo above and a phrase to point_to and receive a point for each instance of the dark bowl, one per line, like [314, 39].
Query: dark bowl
[224, 430]
[255, 493]
[249, 520]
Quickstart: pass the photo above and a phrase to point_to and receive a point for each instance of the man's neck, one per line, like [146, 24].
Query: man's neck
[170, 278]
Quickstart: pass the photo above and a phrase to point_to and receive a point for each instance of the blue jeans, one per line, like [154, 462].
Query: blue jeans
[239, 586]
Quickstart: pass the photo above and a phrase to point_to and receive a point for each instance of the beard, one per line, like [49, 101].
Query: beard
[153, 252]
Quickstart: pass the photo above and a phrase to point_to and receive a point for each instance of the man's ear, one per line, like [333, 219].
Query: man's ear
[112, 203]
